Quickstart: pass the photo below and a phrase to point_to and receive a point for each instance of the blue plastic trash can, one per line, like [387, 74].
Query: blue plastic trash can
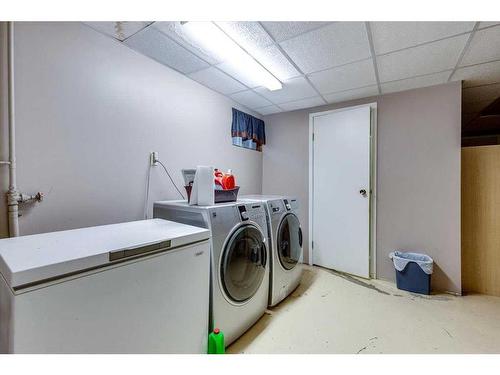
[413, 271]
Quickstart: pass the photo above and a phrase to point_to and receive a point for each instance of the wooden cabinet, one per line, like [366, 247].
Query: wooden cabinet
[481, 219]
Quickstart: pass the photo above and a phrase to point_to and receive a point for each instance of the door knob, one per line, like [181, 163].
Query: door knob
[363, 192]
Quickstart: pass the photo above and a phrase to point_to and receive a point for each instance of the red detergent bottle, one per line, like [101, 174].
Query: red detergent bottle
[228, 181]
[218, 179]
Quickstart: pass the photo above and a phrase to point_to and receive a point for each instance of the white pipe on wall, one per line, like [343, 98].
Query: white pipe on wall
[12, 120]
[12, 194]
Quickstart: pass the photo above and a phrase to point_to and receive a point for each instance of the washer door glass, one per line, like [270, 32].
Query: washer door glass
[243, 263]
[289, 241]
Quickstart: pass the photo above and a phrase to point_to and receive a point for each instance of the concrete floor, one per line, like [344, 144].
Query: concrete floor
[333, 313]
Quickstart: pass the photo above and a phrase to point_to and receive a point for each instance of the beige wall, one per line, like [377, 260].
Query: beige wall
[418, 206]
[89, 110]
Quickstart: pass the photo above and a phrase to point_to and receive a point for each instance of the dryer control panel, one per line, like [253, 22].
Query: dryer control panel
[276, 206]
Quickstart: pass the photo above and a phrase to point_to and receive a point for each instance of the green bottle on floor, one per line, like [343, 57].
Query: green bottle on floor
[216, 342]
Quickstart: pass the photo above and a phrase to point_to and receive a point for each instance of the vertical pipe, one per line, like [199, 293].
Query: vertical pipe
[12, 120]
[13, 221]
[12, 194]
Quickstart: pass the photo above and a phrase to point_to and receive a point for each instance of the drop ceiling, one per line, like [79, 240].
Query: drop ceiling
[328, 62]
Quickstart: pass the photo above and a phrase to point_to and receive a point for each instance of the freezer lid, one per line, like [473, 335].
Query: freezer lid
[30, 259]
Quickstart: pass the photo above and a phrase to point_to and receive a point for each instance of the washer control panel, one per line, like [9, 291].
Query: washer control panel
[243, 212]
[288, 206]
[254, 212]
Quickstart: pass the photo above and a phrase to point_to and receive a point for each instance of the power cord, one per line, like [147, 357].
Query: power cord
[148, 183]
[171, 179]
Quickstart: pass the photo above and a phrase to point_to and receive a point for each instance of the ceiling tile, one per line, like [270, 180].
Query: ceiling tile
[415, 82]
[351, 76]
[343, 96]
[256, 41]
[174, 30]
[484, 47]
[234, 71]
[268, 110]
[249, 35]
[119, 30]
[302, 103]
[285, 30]
[478, 75]
[429, 58]
[391, 36]
[156, 45]
[293, 89]
[274, 61]
[333, 45]
[216, 80]
[481, 93]
[250, 99]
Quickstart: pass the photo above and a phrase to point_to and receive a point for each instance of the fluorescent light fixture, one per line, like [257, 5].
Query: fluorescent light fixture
[210, 38]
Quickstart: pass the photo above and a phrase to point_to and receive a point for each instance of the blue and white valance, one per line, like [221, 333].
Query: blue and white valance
[247, 131]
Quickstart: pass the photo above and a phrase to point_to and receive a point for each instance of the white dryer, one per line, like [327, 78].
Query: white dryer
[285, 243]
[239, 260]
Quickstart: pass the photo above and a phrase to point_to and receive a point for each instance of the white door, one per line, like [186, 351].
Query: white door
[341, 190]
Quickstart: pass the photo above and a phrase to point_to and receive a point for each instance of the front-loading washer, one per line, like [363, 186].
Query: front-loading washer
[285, 243]
[239, 260]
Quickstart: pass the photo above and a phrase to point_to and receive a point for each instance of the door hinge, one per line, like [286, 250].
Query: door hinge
[313, 137]
[312, 244]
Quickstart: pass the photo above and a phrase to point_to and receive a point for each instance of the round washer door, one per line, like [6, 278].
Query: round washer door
[243, 263]
[289, 241]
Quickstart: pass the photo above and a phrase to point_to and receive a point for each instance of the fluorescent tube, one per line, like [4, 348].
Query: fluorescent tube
[208, 37]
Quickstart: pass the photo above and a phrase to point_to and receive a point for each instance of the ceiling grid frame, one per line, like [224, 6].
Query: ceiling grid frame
[374, 56]
[293, 62]
[425, 43]
[296, 35]
[464, 51]
[417, 76]
[486, 73]
[210, 65]
[215, 67]
[138, 31]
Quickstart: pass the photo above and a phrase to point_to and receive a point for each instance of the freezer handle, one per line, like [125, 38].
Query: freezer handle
[130, 252]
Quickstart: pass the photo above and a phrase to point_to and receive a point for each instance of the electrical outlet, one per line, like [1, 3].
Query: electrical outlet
[153, 158]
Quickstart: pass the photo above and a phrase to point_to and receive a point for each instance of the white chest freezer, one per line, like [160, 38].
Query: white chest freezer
[137, 287]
